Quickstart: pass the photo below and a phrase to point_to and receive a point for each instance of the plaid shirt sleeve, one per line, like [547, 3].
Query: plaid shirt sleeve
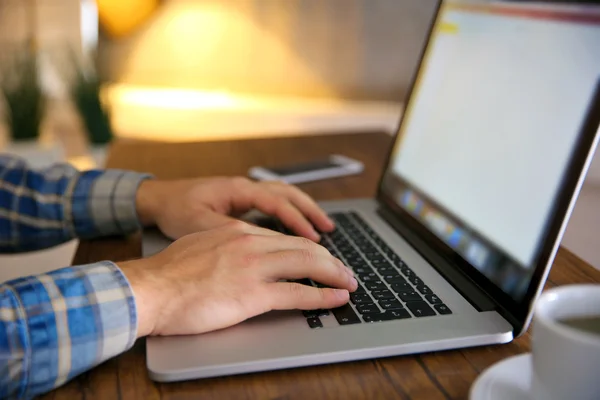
[40, 209]
[56, 325]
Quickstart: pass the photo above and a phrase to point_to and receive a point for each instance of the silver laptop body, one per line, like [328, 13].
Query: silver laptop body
[486, 277]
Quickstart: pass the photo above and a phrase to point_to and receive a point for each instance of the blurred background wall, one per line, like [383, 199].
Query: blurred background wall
[357, 49]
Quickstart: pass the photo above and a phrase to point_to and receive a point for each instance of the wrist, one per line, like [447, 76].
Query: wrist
[146, 300]
[147, 202]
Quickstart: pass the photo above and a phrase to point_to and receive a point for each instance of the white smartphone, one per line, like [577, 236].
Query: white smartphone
[331, 167]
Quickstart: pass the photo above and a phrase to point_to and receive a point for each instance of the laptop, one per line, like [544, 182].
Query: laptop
[500, 126]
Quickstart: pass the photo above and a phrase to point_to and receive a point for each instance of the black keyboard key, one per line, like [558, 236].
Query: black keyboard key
[360, 298]
[395, 258]
[382, 265]
[364, 270]
[375, 285]
[442, 309]
[420, 309]
[338, 238]
[406, 271]
[378, 259]
[390, 304]
[401, 287]
[432, 299]
[366, 247]
[363, 225]
[388, 271]
[360, 289]
[410, 295]
[383, 294]
[385, 248]
[345, 315]
[314, 322]
[368, 308]
[268, 223]
[353, 255]
[397, 314]
[342, 244]
[315, 313]
[374, 317]
[357, 263]
[394, 279]
[372, 277]
[361, 242]
[424, 289]
[415, 281]
[344, 248]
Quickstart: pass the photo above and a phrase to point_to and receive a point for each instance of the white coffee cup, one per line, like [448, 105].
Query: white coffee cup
[565, 360]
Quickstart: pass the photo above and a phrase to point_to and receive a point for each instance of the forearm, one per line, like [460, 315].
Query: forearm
[55, 326]
[39, 209]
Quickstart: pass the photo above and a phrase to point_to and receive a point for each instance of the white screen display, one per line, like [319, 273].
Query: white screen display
[495, 114]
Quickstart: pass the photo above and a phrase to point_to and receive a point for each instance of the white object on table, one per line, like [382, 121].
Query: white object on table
[38, 155]
[37, 262]
[508, 379]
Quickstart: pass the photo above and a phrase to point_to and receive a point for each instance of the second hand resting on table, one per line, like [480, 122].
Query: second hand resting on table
[220, 270]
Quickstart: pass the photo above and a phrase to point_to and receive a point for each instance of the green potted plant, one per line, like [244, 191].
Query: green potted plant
[24, 99]
[86, 94]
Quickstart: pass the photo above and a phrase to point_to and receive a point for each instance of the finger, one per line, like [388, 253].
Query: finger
[298, 264]
[280, 207]
[259, 243]
[307, 206]
[215, 220]
[288, 296]
[228, 228]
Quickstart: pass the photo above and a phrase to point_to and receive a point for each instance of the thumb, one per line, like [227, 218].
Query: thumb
[289, 295]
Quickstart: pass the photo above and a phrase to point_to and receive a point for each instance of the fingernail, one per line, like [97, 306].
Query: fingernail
[341, 293]
[353, 283]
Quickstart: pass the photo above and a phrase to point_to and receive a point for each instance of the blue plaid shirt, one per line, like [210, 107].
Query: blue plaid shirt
[57, 325]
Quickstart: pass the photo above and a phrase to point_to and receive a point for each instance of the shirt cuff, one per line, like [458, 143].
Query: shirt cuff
[104, 203]
[71, 320]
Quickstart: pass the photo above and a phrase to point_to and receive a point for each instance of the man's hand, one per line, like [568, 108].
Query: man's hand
[182, 207]
[211, 280]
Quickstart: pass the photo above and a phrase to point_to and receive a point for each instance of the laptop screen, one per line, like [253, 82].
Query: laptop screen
[491, 125]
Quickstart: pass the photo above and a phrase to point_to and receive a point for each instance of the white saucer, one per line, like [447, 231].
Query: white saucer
[507, 379]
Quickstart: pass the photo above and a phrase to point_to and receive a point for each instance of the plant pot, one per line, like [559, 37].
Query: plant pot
[98, 152]
[36, 153]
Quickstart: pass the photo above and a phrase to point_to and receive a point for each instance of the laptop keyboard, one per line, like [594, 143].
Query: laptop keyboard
[387, 288]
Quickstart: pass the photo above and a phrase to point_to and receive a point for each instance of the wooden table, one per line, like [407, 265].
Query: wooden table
[441, 375]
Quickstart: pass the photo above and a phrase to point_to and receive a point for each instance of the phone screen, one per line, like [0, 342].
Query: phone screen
[304, 167]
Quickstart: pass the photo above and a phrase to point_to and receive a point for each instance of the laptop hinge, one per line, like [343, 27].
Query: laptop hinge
[462, 283]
